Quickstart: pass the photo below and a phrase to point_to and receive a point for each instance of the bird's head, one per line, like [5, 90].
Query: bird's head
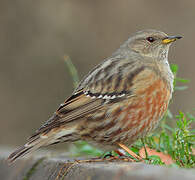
[151, 43]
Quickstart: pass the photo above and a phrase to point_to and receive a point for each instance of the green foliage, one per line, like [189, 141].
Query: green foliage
[83, 148]
[183, 142]
[155, 160]
[177, 140]
[177, 80]
[72, 70]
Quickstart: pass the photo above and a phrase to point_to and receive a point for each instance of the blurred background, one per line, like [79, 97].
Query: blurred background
[35, 35]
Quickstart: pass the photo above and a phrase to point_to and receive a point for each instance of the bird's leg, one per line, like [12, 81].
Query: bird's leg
[125, 148]
[143, 142]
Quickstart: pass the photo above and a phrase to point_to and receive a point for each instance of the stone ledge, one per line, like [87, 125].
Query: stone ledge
[63, 168]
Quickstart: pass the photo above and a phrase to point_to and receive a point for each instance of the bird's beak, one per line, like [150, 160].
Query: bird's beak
[170, 39]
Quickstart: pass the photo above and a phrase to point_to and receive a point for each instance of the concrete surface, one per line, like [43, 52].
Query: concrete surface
[63, 168]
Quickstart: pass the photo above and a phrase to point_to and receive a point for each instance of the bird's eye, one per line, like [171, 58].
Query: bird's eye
[150, 39]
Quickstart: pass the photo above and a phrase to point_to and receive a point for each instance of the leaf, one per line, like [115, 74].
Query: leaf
[174, 68]
[182, 80]
[151, 152]
[168, 127]
[181, 88]
[169, 114]
[72, 69]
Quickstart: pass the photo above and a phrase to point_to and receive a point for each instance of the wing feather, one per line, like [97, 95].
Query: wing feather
[74, 108]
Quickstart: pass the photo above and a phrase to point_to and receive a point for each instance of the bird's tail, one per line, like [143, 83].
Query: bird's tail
[39, 140]
[28, 148]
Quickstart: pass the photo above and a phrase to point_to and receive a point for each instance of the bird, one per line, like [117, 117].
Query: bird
[119, 101]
